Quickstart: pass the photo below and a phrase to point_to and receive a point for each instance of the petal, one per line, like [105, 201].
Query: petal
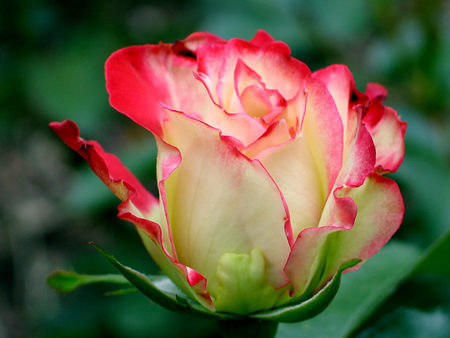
[262, 38]
[107, 166]
[361, 154]
[339, 81]
[359, 163]
[142, 79]
[318, 252]
[293, 167]
[139, 207]
[388, 133]
[323, 131]
[218, 62]
[376, 91]
[276, 134]
[306, 168]
[218, 202]
[195, 40]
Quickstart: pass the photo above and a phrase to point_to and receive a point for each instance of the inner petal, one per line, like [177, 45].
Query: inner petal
[255, 101]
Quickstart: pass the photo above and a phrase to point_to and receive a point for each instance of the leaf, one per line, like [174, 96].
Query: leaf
[435, 259]
[411, 322]
[121, 292]
[310, 307]
[360, 294]
[161, 295]
[66, 281]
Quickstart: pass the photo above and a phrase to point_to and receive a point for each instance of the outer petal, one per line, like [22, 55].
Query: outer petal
[318, 252]
[107, 166]
[143, 79]
[139, 207]
[359, 163]
[388, 133]
[248, 209]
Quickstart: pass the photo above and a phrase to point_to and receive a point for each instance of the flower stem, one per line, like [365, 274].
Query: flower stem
[238, 328]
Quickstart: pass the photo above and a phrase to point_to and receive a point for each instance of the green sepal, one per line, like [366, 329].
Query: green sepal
[310, 307]
[68, 281]
[162, 291]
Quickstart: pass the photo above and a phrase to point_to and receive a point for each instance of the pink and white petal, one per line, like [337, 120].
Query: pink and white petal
[218, 62]
[249, 211]
[293, 167]
[276, 134]
[142, 79]
[323, 131]
[388, 133]
[106, 166]
[188, 280]
[360, 159]
[139, 207]
[339, 81]
[306, 168]
[380, 212]
[307, 258]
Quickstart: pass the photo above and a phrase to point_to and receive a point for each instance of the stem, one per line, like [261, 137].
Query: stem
[244, 328]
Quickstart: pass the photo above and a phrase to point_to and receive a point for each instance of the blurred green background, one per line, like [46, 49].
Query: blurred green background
[51, 68]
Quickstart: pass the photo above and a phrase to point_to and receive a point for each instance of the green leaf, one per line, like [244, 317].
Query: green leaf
[360, 294]
[122, 292]
[310, 307]
[67, 281]
[161, 291]
[435, 259]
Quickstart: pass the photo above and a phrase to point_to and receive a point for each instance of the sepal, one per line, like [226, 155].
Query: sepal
[163, 292]
[295, 312]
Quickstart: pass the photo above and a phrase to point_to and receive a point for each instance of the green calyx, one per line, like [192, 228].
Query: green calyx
[243, 298]
[242, 287]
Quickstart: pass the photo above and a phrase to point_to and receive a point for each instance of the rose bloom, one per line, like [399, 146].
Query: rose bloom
[269, 175]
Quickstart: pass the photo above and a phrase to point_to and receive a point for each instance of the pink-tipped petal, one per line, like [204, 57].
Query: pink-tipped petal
[388, 133]
[142, 80]
[218, 62]
[139, 207]
[339, 81]
[107, 166]
[323, 131]
[249, 210]
[318, 252]
[306, 168]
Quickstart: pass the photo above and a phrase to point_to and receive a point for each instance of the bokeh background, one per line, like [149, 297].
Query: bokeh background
[51, 68]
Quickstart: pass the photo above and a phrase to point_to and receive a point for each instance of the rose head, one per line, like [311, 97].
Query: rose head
[269, 176]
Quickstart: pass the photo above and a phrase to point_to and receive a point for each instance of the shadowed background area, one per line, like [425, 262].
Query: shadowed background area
[52, 56]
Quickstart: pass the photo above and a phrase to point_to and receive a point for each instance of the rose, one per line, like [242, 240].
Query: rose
[269, 176]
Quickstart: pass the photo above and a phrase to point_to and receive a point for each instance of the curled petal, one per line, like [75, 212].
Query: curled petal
[388, 133]
[107, 166]
[139, 207]
[142, 80]
[218, 62]
[318, 252]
